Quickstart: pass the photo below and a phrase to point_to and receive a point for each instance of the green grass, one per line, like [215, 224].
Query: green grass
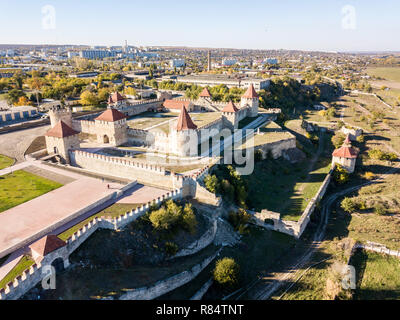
[116, 210]
[21, 266]
[22, 186]
[387, 73]
[280, 186]
[377, 276]
[5, 162]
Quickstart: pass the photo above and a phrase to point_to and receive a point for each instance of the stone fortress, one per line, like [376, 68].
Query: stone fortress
[110, 129]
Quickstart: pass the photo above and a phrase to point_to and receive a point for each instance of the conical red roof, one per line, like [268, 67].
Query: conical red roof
[230, 107]
[250, 93]
[115, 97]
[184, 121]
[345, 152]
[205, 93]
[61, 130]
[47, 245]
[111, 115]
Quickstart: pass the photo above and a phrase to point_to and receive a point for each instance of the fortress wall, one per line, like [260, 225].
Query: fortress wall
[292, 228]
[84, 126]
[122, 168]
[169, 284]
[206, 239]
[32, 276]
[277, 148]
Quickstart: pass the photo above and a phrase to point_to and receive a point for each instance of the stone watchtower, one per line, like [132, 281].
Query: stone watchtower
[251, 100]
[111, 128]
[346, 156]
[231, 114]
[58, 114]
[184, 137]
[60, 139]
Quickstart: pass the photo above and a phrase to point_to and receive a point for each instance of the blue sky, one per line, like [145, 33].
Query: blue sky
[279, 24]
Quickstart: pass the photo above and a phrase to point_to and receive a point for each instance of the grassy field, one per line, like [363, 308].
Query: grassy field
[113, 211]
[5, 162]
[287, 188]
[387, 73]
[21, 266]
[21, 186]
[377, 276]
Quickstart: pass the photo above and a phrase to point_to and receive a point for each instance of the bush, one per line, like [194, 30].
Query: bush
[171, 248]
[171, 215]
[380, 209]
[348, 205]
[340, 175]
[369, 175]
[338, 139]
[226, 272]
[212, 183]
[189, 220]
[240, 220]
[360, 139]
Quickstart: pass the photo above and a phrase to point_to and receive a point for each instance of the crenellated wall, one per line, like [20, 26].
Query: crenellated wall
[32, 276]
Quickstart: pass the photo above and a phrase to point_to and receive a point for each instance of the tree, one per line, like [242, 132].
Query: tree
[340, 174]
[36, 84]
[89, 98]
[212, 184]
[14, 95]
[23, 101]
[338, 139]
[189, 220]
[348, 205]
[226, 272]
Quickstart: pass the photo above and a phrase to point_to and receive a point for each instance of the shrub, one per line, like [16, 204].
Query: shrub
[171, 248]
[348, 205]
[162, 219]
[360, 139]
[369, 175]
[189, 220]
[340, 174]
[212, 184]
[239, 220]
[380, 209]
[338, 139]
[226, 272]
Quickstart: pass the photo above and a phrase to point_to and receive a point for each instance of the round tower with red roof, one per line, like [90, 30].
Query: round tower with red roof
[346, 156]
[184, 136]
[231, 115]
[251, 100]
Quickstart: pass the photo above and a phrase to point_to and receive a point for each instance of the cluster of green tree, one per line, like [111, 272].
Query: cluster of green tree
[355, 84]
[378, 154]
[240, 220]
[287, 93]
[227, 182]
[172, 216]
[328, 113]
